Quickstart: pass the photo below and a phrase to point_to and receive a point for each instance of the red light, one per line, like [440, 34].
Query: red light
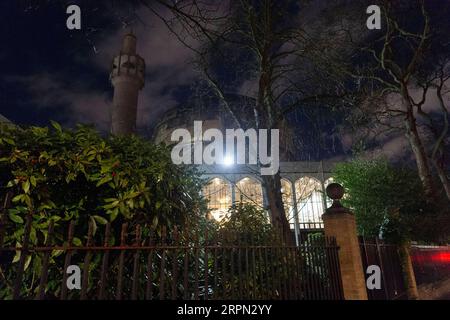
[442, 257]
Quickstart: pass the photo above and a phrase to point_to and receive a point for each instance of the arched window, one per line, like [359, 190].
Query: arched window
[286, 193]
[310, 204]
[249, 190]
[218, 193]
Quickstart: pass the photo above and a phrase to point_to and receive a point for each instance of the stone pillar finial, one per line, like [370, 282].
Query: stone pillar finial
[335, 192]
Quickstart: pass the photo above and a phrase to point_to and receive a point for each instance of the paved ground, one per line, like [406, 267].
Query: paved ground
[435, 291]
[446, 297]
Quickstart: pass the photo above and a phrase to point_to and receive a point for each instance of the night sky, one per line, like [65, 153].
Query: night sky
[52, 73]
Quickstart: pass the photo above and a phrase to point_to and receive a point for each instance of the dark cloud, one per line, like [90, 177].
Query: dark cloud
[82, 105]
[83, 88]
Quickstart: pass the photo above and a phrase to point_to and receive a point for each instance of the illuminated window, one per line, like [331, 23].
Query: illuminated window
[286, 193]
[218, 194]
[249, 190]
[309, 202]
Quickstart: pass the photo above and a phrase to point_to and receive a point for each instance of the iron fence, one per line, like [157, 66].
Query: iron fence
[144, 263]
[386, 256]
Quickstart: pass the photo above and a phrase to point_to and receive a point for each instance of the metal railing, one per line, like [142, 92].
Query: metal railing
[386, 256]
[142, 263]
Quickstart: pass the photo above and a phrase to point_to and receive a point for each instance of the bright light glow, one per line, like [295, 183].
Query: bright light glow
[442, 257]
[228, 160]
[219, 215]
[431, 257]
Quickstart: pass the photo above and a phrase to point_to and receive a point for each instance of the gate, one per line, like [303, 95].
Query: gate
[376, 252]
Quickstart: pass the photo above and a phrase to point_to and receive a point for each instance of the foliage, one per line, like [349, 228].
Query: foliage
[61, 175]
[247, 219]
[387, 200]
[249, 226]
[77, 175]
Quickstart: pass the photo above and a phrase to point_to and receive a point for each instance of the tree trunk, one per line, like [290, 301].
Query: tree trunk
[408, 272]
[278, 217]
[264, 119]
[423, 166]
[443, 177]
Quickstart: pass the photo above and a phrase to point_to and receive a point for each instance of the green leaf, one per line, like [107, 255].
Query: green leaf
[17, 256]
[111, 205]
[77, 242]
[18, 198]
[56, 126]
[27, 200]
[133, 195]
[26, 186]
[28, 261]
[155, 222]
[9, 141]
[94, 225]
[55, 218]
[15, 218]
[100, 220]
[105, 169]
[113, 215]
[56, 253]
[104, 180]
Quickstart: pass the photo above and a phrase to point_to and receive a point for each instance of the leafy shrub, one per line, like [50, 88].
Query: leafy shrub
[389, 200]
[78, 175]
[61, 175]
[248, 221]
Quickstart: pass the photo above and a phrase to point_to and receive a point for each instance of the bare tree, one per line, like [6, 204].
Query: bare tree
[394, 68]
[273, 46]
[436, 118]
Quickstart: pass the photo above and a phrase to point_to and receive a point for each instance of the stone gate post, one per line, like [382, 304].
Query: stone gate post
[340, 223]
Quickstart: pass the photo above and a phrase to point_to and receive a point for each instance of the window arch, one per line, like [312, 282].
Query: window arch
[310, 204]
[218, 193]
[249, 190]
[326, 183]
[286, 194]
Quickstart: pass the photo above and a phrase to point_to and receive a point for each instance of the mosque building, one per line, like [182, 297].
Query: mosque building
[303, 182]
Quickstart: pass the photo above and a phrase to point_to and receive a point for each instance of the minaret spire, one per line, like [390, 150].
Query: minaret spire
[127, 77]
[129, 44]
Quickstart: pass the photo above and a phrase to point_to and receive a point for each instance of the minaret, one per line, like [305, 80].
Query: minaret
[127, 77]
